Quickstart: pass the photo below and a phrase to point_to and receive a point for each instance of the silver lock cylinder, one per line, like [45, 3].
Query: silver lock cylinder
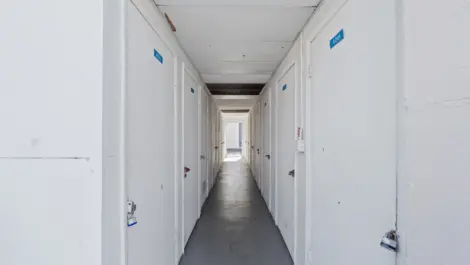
[131, 208]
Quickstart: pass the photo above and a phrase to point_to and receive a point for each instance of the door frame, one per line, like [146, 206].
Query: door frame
[307, 43]
[185, 70]
[295, 65]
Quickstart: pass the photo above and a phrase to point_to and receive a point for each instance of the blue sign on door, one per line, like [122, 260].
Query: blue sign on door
[284, 87]
[337, 39]
[158, 55]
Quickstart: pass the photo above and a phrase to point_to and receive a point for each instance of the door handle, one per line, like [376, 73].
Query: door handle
[292, 173]
[186, 170]
[203, 157]
[216, 147]
[268, 156]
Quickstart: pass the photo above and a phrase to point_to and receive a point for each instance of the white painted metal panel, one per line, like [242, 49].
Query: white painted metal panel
[203, 143]
[214, 145]
[233, 51]
[191, 154]
[230, 45]
[149, 143]
[306, 3]
[266, 125]
[259, 160]
[234, 67]
[48, 76]
[209, 23]
[434, 169]
[50, 211]
[285, 91]
[434, 187]
[353, 137]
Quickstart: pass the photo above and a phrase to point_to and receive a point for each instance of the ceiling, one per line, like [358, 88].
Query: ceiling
[237, 41]
[235, 89]
[307, 3]
[231, 102]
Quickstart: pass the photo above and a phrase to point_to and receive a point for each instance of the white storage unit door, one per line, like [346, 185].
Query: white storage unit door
[353, 145]
[149, 143]
[203, 154]
[190, 150]
[286, 156]
[266, 119]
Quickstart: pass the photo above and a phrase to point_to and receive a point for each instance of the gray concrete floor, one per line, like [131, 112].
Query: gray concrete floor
[235, 227]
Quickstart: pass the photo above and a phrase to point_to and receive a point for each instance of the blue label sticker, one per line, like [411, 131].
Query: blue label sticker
[158, 55]
[337, 39]
[192, 90]
[284, 87]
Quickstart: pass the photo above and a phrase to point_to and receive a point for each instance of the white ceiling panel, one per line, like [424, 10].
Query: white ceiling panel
[237, 41]
[263, 24]
[238, 51]
[240, 2]
[234, 102]
[237, 67]
[236, 79]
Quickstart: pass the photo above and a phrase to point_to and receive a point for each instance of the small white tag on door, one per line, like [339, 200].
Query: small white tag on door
[300, 146]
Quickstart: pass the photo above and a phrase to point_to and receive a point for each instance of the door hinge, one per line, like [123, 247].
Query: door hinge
[310, 71]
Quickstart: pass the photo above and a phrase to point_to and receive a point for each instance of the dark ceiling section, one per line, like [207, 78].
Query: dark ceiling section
[235, 89]
[236, 111]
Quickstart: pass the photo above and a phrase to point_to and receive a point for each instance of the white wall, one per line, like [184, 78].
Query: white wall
[51, 77]
[232, 135]
[434, 170]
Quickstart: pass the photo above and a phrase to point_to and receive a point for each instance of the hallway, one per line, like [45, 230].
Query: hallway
[235, 227]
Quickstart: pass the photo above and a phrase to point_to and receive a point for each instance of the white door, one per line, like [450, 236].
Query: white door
[216, 145]
[258, 144]
[213, 146]
[286, 156]
[204, 178]
[149, 144]
[266, 148]
[190, 153]
[253, 141]
[353, 143]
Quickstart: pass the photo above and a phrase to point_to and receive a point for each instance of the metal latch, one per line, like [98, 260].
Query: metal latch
[268, 156]
[131, 208]
[292, 173]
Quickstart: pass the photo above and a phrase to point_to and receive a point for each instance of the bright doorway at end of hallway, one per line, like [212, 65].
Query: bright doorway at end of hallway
[234, 141]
